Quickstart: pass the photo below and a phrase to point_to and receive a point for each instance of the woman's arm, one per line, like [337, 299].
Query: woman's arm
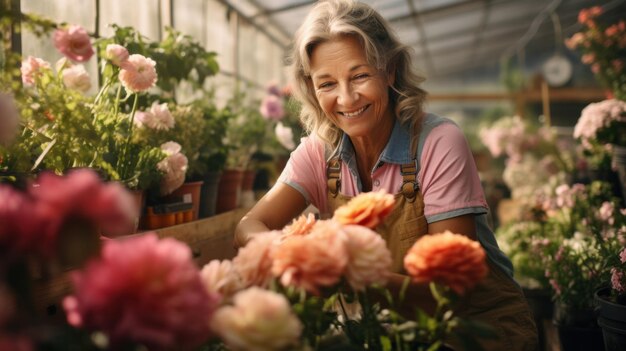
[279, 206]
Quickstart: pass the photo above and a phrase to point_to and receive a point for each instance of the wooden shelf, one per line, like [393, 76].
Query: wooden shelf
[209, 238]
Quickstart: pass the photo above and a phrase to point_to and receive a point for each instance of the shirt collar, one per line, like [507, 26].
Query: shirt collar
[397, 150]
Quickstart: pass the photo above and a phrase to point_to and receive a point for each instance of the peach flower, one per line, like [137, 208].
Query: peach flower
[74, 43]
[300, 226]
[366, 209]
[259, 320]
[32, 68]
[76, 77]
[138, 74]
[143, 290]
[449, 259]
[314, 260]
[369, 259]
[254, 261]
[220, 277]
[117, 54]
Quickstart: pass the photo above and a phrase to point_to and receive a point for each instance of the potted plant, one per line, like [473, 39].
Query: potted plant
[612, 304]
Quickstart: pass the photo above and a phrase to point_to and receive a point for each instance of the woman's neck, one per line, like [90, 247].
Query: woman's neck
[368, 150]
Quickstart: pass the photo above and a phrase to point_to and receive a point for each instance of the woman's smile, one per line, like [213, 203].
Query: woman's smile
[354, 113]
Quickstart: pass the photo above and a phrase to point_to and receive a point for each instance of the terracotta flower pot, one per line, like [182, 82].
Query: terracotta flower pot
[229, 190]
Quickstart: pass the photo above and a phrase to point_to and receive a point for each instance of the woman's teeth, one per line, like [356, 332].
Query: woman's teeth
[355, 113]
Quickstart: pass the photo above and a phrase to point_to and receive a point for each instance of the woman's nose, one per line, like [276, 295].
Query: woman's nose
[347, 95]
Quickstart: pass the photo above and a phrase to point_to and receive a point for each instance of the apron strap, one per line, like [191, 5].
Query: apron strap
[333, 175]
[410, 186]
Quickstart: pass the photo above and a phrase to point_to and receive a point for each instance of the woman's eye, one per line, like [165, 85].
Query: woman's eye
[325, 85]
[361, 76]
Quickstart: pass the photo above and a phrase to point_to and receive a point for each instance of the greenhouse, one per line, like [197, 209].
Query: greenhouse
[313, 175]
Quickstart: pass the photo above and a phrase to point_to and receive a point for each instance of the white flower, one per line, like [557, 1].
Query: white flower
[285, 136]
[77, 78]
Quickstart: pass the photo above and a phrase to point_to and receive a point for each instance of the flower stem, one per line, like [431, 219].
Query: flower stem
[125, 156]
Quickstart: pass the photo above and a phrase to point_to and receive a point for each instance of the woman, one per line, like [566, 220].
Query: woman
[362, 107]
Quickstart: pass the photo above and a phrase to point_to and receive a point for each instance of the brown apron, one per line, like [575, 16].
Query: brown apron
[497, 301]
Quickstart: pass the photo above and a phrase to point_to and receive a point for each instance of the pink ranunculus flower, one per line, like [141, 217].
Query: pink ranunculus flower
[76, 77]
[143, 290]
[32, 68]
[117, 54]
[254, 261]
[259, 320]
[272, 108]
[369, 259]
[157, 117]
[138, 73]
[9, 119]
[312, 261]
[82, 194]
[173, 166]
[74, 43]
[366, 209]
[284, 135]
[221, 278]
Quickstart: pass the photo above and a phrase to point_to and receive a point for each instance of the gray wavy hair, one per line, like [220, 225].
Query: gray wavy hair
[331, 19]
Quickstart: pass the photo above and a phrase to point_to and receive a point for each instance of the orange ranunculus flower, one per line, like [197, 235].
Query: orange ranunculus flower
[314, 260]
[300, 226]
[366, 209]
[450, 259]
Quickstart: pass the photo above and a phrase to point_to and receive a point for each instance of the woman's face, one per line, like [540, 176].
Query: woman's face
[351, 92]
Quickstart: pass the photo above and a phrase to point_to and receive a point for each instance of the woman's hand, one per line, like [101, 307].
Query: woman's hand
[275, 210]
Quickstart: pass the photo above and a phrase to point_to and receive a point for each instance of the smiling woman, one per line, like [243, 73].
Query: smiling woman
[362, 107]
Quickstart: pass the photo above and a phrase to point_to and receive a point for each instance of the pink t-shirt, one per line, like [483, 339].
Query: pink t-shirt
[448, 177]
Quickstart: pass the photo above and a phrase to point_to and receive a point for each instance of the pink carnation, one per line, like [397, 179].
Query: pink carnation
[138, 73]
[259, 320]
[254, 261]
[369, 259]
[312, 261]
[220, 278]
[143, 290]
[32, 69]
[117, 54]
[272, 108]
[597, 116]
[74, 43]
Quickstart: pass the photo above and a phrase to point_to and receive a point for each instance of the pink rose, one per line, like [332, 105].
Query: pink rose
[272, 108]
[74, 43]
[259, 320]
[142, 290]
[32, 69]
[117, 54]
[312, 261]
[369, 259]
[138, 74]
[76, 77]
[254, 261]
[158, 117]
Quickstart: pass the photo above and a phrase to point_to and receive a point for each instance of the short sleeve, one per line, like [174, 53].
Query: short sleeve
[448, 176]
[306, 171]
